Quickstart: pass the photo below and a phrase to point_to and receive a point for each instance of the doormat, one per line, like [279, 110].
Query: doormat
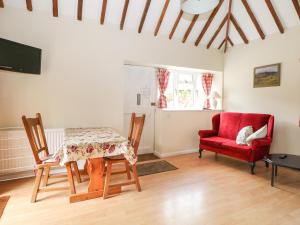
[154, 167]
[3, 202]
[147, 157]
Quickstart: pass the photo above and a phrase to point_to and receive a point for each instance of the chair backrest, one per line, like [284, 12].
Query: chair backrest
[135, 133]
[131, 126]
[36, 136]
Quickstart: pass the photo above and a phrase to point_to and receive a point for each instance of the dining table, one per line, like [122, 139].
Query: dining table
[92, 145]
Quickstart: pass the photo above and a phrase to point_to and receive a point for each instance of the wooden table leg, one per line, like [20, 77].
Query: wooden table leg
[70, 178]
[95, 169]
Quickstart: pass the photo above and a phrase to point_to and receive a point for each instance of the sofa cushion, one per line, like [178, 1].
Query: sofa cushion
[261, 133]
[213, 141]
[243, 134]
[234, 146]
[255, 120]
[229, 125]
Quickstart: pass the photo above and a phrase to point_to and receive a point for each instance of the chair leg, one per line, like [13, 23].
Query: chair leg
[70, 178]
[200, 153]
[127, 170]
[252, 165]
[107, 179]
[46, 176]
[136, 178]
[76, 172]
[37, 183]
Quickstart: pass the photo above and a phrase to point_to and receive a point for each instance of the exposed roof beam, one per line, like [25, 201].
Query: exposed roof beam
[1, 4]
[124, 14]
[188, 31]
[254, 20]
[222, 43]
[162, 15]
[29, 5]
[275, 16]
[79, 9]
[208, 22]
[227, 25]
[230, 41]
[103, 11]
[144, 15]
[239, 29]
[175, 24]
[297, 7]
[217, 31]
[55, 8]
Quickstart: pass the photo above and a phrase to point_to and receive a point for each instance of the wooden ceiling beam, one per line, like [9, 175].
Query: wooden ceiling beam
[1, 4]
[222, 43]
[162, 15]
[103, 11]
[124, 14]
[239, 29]
[175, 24]
[254, 20]
[79, 9]
[29, 5]
[297, 7]
[55, 8]
[230, 41]
[208, 22]
[147, 5]
[217, 31]
[227, 25]
[275, 16]
[188, 31]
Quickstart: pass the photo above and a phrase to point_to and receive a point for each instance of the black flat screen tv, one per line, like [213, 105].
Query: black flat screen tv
[19, 58]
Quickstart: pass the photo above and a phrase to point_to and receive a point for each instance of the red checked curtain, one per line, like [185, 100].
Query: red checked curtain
[163, 79]
[207, 79]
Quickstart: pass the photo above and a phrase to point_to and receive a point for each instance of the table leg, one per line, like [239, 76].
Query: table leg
[273, 175]
[276, 170]
[95, 169]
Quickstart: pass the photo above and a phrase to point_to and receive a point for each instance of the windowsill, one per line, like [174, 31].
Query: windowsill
[193, 110]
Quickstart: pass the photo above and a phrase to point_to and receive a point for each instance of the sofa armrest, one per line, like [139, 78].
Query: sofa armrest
[261, 143]
[207, 133]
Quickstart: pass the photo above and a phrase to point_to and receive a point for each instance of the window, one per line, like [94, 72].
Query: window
[185, 90]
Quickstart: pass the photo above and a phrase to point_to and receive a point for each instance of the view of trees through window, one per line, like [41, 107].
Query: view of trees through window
[184, 90]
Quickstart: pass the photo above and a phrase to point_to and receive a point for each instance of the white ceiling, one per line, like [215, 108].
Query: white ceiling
[92, 8]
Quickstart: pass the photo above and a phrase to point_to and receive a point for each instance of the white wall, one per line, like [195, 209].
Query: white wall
[283, 101]
[82, 68]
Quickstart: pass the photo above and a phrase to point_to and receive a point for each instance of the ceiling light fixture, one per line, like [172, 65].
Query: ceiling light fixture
[198, 6]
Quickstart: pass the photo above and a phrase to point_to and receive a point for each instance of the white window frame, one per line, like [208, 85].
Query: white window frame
[195, 91]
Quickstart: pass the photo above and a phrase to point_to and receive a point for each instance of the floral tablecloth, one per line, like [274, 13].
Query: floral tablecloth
[85, 143]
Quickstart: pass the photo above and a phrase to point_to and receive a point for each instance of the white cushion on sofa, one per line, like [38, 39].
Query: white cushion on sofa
[243, 134]
[261, 133]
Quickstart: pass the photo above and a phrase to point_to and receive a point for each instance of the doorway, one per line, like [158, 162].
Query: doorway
[140, 94]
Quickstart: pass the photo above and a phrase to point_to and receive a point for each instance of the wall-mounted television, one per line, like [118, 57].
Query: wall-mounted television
[19, 58]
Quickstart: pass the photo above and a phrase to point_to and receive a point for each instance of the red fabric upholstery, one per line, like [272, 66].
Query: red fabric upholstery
[207, 133]
[221, 138]
[213, 141]
[229, 125]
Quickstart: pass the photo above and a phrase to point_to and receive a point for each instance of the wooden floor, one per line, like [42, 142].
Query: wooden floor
[202, 191]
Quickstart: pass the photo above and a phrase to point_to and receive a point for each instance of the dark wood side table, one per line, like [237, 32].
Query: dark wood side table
[283, 160]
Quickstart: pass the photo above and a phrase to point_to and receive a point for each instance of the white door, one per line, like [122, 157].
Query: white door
[139, 95]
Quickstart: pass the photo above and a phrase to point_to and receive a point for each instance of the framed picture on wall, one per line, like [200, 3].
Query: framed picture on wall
[267, 76]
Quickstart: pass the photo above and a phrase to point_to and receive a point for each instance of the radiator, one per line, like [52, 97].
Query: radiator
[16, 158]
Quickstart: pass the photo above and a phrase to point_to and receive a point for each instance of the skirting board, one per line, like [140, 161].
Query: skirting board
[168, 154]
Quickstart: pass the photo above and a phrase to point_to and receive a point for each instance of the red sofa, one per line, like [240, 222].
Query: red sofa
[226, 125]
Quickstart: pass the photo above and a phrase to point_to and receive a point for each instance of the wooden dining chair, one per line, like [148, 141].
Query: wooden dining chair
[134, 137]
[44, 162]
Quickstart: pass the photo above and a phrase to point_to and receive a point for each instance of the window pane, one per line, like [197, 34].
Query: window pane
[185, 90]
